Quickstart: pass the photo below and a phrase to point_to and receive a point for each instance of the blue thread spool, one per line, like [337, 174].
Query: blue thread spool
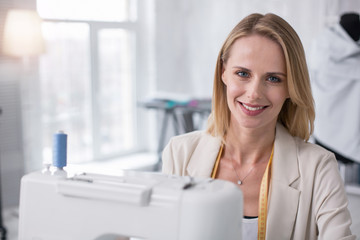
[59, 149]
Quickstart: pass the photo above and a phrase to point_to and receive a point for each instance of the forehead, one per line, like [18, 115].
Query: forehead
[257, 50]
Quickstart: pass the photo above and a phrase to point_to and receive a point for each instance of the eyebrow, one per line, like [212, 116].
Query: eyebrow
[271, 73]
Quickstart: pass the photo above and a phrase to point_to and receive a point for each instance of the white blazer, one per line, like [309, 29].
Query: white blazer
[307, 199]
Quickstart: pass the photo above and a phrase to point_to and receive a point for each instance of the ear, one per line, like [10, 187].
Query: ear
[223, 77]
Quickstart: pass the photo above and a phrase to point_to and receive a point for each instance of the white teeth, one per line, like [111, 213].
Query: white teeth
[252, 108]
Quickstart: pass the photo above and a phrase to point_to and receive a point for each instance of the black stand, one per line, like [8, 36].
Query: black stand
[2, 230]
[2, 227]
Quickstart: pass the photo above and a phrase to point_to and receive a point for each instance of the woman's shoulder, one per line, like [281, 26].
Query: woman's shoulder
[304, 150]
[189, 135]
[312, 150]
[192, 138]
[314, 159]
[190, 154]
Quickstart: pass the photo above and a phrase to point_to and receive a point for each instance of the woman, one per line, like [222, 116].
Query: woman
[261, 120]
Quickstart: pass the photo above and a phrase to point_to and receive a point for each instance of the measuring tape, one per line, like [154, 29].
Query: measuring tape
[263, 193]
[263, 200]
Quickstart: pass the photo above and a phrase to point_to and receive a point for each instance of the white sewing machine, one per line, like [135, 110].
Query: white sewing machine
[136, 205]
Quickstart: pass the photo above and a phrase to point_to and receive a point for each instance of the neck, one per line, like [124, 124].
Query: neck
[249, 146]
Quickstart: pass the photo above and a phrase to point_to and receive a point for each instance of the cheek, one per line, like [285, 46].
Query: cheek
[233, 89]
[286, 93]
[280, 98]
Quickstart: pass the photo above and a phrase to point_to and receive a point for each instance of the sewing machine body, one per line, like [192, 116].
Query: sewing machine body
[137, 205]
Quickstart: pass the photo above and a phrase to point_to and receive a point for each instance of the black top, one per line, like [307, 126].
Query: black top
[351, 23]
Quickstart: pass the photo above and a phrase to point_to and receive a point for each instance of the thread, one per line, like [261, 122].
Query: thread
[59, 149]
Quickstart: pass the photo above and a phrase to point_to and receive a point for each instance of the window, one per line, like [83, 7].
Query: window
[88, 10]
[87, 77]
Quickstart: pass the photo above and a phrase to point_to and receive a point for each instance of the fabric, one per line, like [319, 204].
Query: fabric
[334, 62]
[307, 199]
[250, 229]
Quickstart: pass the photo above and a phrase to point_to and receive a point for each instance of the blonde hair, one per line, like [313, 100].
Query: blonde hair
[297, 113]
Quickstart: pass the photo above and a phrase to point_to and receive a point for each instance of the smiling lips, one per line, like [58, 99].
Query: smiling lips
[252, 110]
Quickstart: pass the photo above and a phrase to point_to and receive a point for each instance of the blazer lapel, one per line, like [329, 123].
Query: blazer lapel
[283, 197]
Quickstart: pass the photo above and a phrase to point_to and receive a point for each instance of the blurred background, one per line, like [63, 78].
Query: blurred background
[120, 77]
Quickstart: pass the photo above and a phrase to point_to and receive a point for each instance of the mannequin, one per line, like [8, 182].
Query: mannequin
[351, 23]
[324, 54]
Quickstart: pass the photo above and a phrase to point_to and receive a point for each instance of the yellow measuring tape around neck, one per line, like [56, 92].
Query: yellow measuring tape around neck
[263, 199]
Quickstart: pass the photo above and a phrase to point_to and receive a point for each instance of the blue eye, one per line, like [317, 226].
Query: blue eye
[274, 79]
[242, 74]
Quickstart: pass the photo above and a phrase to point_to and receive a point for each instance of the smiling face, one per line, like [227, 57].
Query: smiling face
[256, 83]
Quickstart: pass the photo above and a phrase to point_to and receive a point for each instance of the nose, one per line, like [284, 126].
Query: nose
[255, 90]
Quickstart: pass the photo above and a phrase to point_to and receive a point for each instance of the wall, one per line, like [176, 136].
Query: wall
[11, 154]
[14, 75]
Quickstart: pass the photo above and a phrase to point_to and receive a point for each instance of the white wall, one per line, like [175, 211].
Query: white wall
[188, 37]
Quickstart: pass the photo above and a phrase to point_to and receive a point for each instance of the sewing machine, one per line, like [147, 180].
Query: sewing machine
[133, 205]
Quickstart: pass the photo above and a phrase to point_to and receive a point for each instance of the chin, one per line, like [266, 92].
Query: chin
[256, 124]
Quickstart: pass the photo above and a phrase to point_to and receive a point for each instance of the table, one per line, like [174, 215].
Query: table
[181, 113]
